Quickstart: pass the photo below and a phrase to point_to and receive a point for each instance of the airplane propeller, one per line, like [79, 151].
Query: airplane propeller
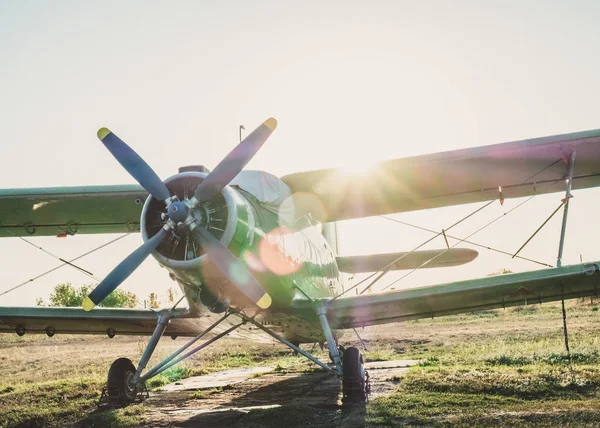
[134, 164]
[180, 212]
[232, 268]
[235, 161]
[122, 271]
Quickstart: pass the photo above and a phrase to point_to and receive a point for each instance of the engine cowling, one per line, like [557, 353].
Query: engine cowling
[180, 253]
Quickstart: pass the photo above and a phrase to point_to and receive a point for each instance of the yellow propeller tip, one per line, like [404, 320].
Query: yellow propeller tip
[103, 132]
[270, 123]
[265, 301]
[87, 304]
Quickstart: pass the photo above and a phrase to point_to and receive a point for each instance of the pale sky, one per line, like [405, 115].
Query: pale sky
[349, 82]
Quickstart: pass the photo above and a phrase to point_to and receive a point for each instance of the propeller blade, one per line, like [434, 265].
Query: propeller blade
[134, 164]
[233, 268]
[122, 271]
[235, 161]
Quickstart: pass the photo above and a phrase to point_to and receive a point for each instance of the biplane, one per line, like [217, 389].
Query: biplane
[251, 250]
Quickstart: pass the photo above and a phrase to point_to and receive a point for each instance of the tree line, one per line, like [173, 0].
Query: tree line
[66, 294]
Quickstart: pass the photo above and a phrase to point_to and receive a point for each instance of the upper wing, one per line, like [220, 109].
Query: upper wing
[520, 168]
[466, 296]
[412, 260]
[54, 211]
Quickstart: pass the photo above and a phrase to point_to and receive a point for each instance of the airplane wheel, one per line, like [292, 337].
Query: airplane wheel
[353, 377]
[119, 388]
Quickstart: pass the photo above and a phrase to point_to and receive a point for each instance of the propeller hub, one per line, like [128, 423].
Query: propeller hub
[178, 211]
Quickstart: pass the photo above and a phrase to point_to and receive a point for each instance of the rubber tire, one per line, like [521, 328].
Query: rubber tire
[118, 389]
[353, 382]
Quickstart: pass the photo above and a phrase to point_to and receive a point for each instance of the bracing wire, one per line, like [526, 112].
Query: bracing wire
[65, 263]
[463, 240]
[475, 244]
[386, 268]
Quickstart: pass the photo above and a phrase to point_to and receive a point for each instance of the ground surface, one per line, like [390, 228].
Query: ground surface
[496, 368]
[228, 399]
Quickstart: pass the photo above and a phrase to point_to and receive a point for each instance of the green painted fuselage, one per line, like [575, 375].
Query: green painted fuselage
[290, 257]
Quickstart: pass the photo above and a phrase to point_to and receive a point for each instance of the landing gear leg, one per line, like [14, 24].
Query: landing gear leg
[349, 363]
[334, 352]
[126, 384]
[122, 386]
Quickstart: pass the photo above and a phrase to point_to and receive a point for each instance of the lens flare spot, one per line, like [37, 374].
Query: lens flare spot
[237, 274]
[280, 251]
[253, 262]
[299, 206]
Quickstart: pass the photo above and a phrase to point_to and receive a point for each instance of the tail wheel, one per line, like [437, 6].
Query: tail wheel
[353, 377]
[119, 387]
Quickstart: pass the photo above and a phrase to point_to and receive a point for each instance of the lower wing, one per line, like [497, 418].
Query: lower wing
[111, 321]
[98, 321]
[466, 296]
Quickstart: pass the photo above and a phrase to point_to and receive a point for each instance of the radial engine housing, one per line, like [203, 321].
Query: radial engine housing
[180, 253]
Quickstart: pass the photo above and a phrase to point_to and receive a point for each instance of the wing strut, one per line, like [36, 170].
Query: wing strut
[568, 196]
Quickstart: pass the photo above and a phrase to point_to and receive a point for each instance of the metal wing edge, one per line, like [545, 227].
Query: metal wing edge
[494, 292]
[506, 170]
[99, 321]
[52, 211]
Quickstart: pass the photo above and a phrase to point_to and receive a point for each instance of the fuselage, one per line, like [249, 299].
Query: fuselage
[286, 252]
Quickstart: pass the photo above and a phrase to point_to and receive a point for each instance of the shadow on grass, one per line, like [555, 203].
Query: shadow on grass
[308, 399]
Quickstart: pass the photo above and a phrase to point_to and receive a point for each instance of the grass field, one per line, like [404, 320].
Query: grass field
[495, 368]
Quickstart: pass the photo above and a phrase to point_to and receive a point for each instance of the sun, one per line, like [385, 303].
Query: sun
[357, 168]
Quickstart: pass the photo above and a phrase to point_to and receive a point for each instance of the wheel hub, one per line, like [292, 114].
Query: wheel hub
[129, 385]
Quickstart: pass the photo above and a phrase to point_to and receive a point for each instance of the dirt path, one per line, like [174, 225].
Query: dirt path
[314, 393]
